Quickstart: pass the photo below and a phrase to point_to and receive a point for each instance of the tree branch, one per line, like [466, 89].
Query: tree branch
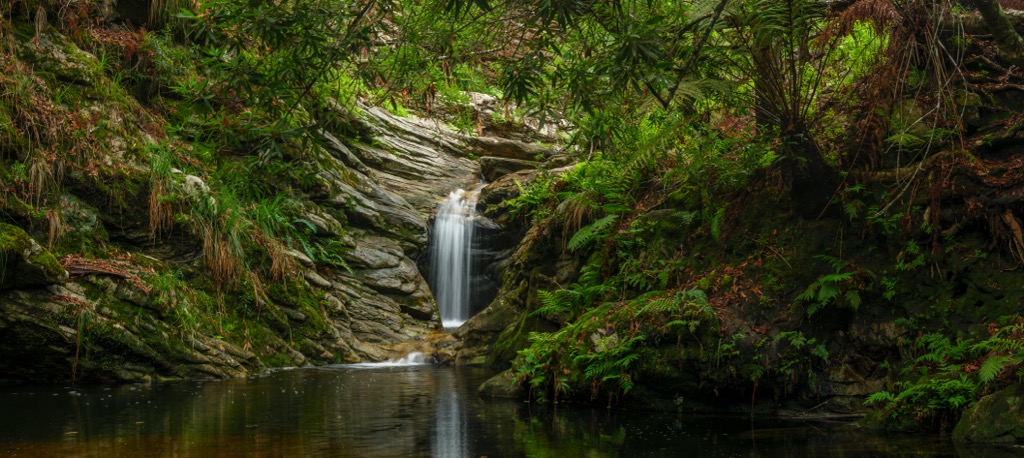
[902, 173]
[692, 59]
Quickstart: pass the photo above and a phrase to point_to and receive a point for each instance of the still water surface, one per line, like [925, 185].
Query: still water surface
[387, 411]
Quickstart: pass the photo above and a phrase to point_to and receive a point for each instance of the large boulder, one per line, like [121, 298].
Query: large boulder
[508, 149]
[494, 168]
[996, 419]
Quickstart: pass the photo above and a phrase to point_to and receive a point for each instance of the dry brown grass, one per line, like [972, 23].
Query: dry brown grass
[50, 137]
[281, 265]
[57, 228]
[220, 257]
[161, 213]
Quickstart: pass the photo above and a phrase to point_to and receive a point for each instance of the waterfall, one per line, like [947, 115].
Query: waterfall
[451, 255]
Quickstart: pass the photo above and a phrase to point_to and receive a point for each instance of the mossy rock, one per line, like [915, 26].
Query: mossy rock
[997, 419]
[503, 385]
[24, 263]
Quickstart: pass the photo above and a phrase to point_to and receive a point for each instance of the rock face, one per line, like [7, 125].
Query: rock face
[142, 299]
[388, 189]
[119, 336]
[997, 419]
[109, 324]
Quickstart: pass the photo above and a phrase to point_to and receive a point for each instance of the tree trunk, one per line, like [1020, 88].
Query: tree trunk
[813, 182]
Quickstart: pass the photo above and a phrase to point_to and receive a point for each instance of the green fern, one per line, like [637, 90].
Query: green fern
[832, 288]
[554, 302]
[880, 397]
[716, 224]
[992, 367]
[591, 232]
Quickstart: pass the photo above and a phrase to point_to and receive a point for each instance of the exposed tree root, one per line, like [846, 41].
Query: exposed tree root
[77, 266]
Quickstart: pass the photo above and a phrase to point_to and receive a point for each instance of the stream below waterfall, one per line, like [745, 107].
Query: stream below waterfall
[396, 410]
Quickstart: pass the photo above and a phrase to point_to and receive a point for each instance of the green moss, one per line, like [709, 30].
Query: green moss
[15, 244]
[48, 263]
[10, 141]
[996, 419]
[13, 239]
[279, 359]
[516, 338]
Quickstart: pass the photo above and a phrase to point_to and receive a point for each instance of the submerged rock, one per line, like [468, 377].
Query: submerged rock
[503, 385]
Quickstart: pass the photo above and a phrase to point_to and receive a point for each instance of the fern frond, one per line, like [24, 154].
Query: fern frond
[992, 367]
[879, 397]
[624, 362]
[591, 232]
[827, 292]
[809, 293]
[625, 383]
[852, 299]
[554, 302]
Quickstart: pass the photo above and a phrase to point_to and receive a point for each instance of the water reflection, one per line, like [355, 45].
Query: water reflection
[450, 435]
[390, 411]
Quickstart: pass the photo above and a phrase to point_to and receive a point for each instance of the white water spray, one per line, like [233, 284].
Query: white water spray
[451, 255]
[412, 359]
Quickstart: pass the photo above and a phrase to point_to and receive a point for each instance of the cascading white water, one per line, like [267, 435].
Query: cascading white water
[451, 255]
[412, 359]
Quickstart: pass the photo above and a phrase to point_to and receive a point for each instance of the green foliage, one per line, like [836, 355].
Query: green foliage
[247, 89]
[602, 339]
[910, 258]
[688, 309]
[839, 287]
[591, 232]
[259, 79]
[187, 306]
[629, 298]
[929, 400]
[944, 376]
[530, 197]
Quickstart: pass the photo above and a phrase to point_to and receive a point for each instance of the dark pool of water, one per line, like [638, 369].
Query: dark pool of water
[389, 412]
